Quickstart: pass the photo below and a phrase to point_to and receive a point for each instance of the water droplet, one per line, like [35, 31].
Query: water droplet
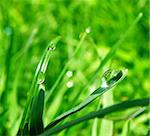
[41, 78]
[104, 83]
[110, 77]
[51, 47]
[107, 74]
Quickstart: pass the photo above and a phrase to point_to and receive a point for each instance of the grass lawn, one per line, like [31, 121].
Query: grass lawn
[74, 67]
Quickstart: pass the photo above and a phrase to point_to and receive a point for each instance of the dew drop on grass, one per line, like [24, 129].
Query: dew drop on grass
[106, 76]
[41, 78]
[110, 77]
[52, 47]
[104, 83]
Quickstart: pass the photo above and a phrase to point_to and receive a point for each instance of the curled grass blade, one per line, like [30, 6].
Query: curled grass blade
[41, 68]
[112, 82]
[99, 114]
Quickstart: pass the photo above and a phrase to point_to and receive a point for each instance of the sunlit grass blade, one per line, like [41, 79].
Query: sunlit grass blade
[126, 128]
[99, 114]
[95, 128]
[98, 92]
[127, 116]
[106, 128]
[107, 125]
[38, 77]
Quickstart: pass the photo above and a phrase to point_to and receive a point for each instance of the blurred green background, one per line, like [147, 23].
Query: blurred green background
[27, 26]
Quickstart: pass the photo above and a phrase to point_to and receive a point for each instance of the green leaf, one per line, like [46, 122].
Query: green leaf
[110, 83]
[99, 114]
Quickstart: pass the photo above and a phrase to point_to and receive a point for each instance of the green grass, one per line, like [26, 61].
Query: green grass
[96, 35]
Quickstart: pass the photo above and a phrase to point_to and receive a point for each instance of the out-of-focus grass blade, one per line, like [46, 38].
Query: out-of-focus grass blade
[110, 83]
[4, 97]
[115, 47]
[36, 122]
[126, 128]
[13, 93]
[99, 114]
[95, 124]
[38, 78]
[107, 125]
[106, 128]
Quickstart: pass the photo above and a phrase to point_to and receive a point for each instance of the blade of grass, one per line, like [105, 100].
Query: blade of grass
[106, 128]
[98, 92]
[41, 68]
[60, 109]
[56, 104]
[66, 66]
[95, 123]
[23, 51]
[107, 125]
[99, 114]
[127, 117]
[4, 97]
[126, 128]
[36, 121]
